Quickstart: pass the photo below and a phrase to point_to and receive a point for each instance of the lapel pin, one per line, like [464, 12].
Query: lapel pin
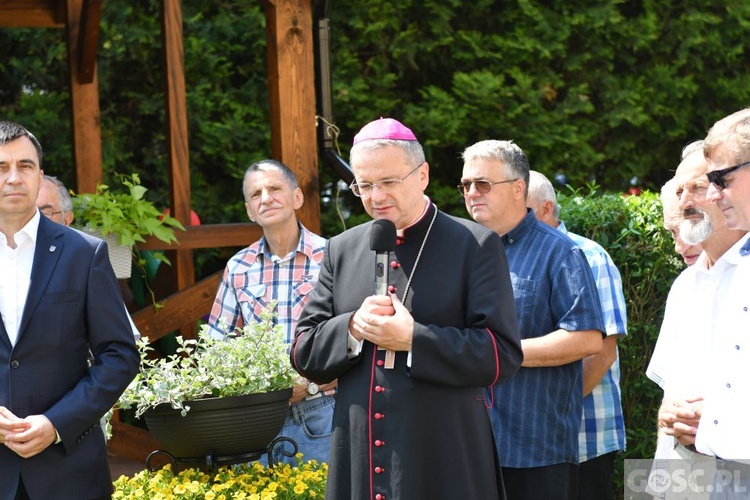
[52, 248]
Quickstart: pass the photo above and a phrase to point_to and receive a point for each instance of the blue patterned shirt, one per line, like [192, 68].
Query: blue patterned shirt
[536, 414]
[602, 426]
[254, 277]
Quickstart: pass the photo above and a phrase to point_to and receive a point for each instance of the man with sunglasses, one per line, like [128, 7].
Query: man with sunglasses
[722, 430]
[678, 364]
[536, 415]
[416, 428]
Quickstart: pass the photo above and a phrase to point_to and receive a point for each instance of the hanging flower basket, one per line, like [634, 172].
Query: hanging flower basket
[221, 427]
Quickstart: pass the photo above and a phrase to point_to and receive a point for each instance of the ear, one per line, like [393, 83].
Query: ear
[249, 212]
[546, 208]
[299, 198]
[68, 219]
[424, 175]
[519, 190]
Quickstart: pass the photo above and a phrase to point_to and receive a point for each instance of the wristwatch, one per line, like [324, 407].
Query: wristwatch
[312, 388]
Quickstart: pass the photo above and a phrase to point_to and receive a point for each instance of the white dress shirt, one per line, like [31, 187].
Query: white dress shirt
[726, 408]
[15, 269]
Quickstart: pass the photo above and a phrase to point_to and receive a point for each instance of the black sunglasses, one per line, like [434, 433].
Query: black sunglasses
[719, 177]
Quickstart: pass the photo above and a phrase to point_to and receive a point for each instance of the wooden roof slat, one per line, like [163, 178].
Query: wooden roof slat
[32, 13]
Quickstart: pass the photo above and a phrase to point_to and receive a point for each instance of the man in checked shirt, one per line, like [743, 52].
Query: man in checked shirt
[282, 266]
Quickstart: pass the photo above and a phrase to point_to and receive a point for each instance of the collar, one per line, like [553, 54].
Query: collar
[304, 246]
[419, 227]
[738, 250]
[527, 223]
[29, 230]
[730, 258]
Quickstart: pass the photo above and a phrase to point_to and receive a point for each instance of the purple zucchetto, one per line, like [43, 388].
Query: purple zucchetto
[385, 128]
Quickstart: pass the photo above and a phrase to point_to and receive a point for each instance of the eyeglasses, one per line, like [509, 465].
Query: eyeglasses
[482, 186]
[719, 177]
[387, 186]
[49, 213]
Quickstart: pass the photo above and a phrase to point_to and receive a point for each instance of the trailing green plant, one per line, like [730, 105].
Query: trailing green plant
[251, 360]
[126, 214]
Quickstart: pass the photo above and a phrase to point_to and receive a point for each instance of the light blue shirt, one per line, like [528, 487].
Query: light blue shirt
[602, 426]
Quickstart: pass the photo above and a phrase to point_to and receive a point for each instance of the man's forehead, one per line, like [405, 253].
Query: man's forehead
[692, 169]
[21, 148]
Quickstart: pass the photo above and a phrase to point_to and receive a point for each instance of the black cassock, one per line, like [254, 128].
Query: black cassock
[418, 432]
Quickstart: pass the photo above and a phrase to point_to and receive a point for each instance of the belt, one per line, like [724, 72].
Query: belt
[692, 449]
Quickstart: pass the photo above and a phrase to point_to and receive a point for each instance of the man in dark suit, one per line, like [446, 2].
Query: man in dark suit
[59, 299]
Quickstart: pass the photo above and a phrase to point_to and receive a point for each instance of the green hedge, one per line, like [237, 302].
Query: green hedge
[630, 228]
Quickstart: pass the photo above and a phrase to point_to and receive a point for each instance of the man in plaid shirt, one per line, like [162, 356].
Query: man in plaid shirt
[602, 432]
[282, 266]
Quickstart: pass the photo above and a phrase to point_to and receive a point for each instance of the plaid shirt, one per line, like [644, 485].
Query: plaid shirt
[602, 426]
[254, 277]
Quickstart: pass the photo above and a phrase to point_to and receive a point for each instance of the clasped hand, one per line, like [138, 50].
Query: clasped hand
[25, 436]
[680, 418]
[384, 321]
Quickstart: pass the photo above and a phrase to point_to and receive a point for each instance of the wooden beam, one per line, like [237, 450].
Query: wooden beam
[189, 304]
[87, 136]
[31, 14]
[177, 136]
[208, 236]
[291, 89]
[88, 43]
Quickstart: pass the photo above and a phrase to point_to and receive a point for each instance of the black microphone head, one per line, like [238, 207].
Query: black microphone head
[383, 236]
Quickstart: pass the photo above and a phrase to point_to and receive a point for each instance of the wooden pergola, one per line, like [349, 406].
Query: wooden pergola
[291, 83]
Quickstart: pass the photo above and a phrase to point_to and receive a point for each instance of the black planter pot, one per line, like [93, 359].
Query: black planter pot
[220, 427]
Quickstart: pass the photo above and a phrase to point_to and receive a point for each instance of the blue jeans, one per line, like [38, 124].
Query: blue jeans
[310, 424]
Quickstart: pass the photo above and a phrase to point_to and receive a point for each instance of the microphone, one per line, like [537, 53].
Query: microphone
[383, 241]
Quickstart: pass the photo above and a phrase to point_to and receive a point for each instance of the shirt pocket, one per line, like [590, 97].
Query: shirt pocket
[523, 292]
[253, 299]
[300, 293]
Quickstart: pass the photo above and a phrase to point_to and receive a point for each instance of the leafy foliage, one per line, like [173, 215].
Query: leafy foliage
[252, 360]
[127, 215]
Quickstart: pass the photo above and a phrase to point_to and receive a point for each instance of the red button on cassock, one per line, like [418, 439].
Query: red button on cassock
[378, 442]
[379, 470]
[379, 497]
[378, 416]
[379, 389]
[379, 362]
[391, 288]
[395, 264]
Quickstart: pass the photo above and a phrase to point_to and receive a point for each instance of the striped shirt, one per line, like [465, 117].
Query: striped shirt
[254, 277]
[602, 425]
[536, 414]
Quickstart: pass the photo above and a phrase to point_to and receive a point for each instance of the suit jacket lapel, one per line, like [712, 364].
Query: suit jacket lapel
[49, 246]
[4, 335]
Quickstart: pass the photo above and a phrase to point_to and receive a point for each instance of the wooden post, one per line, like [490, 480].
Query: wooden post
[291, 89]
[177, 142]
[84, 96]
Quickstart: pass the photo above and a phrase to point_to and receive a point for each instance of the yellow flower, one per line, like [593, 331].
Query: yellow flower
[300, 487]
